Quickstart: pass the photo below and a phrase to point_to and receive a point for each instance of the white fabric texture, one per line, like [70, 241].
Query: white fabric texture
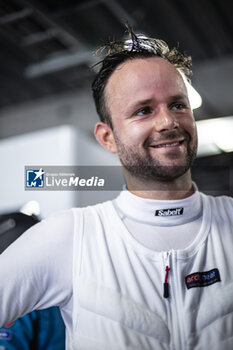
[109, 286]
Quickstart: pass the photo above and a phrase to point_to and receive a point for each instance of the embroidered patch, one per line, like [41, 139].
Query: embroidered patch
[169, 212]
[202, 279]
[5, 334]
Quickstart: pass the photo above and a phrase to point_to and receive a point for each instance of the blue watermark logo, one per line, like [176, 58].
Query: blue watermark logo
[35, 178]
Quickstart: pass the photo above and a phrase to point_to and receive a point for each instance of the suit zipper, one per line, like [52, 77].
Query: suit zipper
[166, 257]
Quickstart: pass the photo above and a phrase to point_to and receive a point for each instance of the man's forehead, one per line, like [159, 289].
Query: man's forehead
[142, 73]
[156, 61]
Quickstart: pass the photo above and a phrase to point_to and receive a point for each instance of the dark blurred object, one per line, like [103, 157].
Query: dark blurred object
[213, 174]
[12, 226]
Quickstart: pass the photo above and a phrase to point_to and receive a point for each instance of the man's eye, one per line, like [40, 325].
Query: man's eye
[144, 111]
[178, 105]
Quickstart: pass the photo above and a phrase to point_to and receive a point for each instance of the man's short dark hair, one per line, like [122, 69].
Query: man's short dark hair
[136, 46]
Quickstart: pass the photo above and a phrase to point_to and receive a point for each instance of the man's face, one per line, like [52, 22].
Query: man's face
[153, 125]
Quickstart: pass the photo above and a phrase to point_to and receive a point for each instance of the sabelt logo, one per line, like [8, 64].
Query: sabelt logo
[169, 212]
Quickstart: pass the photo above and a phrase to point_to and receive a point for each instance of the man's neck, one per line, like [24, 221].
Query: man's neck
[179, 188]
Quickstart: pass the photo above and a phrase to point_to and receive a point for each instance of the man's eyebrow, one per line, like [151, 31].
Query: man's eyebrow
[179, 97]
[141, 103]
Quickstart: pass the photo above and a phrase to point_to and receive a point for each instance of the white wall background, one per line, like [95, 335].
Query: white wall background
[40, 137]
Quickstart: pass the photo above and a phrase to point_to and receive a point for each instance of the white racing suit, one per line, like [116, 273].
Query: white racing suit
[118, 285]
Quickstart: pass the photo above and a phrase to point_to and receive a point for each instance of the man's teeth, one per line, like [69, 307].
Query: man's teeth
[168, 145]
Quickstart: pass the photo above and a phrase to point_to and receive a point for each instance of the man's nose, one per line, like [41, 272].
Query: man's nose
[165, 120]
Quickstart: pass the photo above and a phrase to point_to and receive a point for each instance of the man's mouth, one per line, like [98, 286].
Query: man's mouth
[168, 144]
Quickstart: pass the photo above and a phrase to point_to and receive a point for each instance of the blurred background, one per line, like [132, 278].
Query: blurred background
[47, 114]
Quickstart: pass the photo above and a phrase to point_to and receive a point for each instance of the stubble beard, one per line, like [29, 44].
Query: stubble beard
[149, 169]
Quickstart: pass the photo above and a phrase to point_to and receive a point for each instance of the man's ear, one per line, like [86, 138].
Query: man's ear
[105, 137]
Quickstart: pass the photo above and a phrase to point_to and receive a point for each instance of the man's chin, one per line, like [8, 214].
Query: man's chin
[153, 179]
[157, 172]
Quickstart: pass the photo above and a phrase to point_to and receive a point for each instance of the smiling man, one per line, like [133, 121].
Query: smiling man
[152, 125]
[152, 269]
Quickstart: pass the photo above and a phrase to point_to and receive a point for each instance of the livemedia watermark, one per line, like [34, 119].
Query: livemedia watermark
[209, 179]
[80, 178]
